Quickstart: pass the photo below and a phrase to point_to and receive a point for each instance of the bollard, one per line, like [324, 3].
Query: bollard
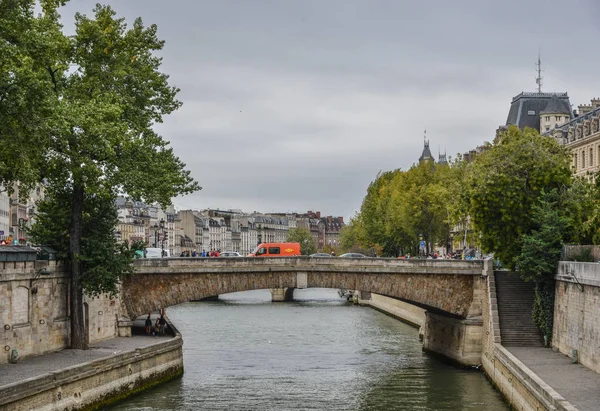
[14, 356]
[574, 354]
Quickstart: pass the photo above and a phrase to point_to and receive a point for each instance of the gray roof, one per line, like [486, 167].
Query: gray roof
[555, 106]
[426, 155]
[525, 108]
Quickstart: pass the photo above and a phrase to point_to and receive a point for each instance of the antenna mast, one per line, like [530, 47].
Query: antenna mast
[539, 78]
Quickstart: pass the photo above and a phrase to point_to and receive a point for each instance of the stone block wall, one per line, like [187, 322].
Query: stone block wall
[98, 383]
[34, 310]
[577, 312]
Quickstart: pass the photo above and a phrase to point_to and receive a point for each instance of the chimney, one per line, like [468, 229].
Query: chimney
[596, 102]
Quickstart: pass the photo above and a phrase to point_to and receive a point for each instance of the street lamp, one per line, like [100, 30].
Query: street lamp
[162, 239]
[155, 227]
[451, 242]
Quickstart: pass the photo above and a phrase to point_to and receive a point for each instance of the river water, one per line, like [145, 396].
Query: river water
[316, 353]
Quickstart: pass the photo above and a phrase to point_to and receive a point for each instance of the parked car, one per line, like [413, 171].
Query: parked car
[320, 255]
[353, 255]
[230, 254]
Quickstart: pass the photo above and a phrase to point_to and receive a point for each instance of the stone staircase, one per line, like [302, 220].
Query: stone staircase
[515, 305]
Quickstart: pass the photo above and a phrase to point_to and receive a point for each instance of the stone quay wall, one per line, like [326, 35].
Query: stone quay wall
[521, 387]
[35, 312]
[96, 384]
[577, 312]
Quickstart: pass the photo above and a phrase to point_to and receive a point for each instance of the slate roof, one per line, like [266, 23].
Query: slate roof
[556, 106]
[426, 155]
[525, 108]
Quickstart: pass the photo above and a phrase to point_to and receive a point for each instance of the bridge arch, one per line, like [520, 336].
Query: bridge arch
[444, 286]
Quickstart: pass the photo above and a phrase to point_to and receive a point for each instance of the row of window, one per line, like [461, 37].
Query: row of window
[586, 161]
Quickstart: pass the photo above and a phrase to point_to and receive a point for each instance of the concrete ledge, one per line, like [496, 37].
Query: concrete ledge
[140, 367]
[534, 384]
[401, 310]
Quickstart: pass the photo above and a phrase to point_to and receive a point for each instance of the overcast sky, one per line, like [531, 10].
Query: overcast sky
[297, 105]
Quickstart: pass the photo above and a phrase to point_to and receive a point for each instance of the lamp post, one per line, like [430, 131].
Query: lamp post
[451, 242]
[162, 239]
[155, 228]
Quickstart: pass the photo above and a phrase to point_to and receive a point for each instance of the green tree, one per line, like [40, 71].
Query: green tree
[507, 180]
[104, 261]
[100, 94]
[307, 242]
[540, 254]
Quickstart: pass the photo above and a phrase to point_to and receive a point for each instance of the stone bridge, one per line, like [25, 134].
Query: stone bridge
[451, 291]
[445, 286]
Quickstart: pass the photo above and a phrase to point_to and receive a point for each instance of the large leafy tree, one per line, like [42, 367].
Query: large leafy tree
[95, 99]
[507, 180]
[307, 242]
[104, 261]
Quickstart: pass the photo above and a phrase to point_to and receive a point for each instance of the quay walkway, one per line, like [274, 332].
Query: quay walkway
[37, 366]
[577, 384]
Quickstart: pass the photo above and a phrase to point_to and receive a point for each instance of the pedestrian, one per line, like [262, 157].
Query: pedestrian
[218, 253]
[157, 327]
[161, 324]
[333, 253]
[194, 253]
[203, 253]
[148, 325]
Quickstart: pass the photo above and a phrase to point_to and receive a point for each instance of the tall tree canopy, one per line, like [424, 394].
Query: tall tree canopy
[86, 108]
[506, 182]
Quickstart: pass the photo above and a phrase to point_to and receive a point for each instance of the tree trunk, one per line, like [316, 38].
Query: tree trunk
[78, 340]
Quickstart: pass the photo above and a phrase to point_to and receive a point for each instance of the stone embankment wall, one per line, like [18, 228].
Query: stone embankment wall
[577, 312]
[96, 384]
[35, 312]
[522, 388]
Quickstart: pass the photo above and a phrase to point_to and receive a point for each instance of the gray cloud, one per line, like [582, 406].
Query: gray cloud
[290, 106]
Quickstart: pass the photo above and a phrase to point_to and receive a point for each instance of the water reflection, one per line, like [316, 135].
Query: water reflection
[318, 352]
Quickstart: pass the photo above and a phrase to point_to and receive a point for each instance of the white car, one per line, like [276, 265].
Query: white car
[230, 254]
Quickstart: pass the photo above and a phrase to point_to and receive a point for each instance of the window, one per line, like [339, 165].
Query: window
[547, 128]
[531, 112]
[591, 157]
[575, 161]
[261, 251]
[274, 250]
[557, 118]
[582, 159]
[547, 118]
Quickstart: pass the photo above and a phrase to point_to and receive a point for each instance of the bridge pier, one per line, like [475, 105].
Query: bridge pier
[459, 340]
[282, 294]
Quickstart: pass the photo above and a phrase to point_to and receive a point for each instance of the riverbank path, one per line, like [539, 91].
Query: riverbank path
[36, 366]
[577, 384]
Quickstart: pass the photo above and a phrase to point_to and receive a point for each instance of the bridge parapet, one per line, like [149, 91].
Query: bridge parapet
[253, 264]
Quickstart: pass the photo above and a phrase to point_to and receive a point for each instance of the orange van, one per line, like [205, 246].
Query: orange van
[276, 250]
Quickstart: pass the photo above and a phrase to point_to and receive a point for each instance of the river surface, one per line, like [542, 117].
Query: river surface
[316, 353]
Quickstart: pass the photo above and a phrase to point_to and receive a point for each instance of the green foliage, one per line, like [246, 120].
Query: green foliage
[505, 183]
[307, 242]
[105, 262]
[541, 250]
[78, 112]
[584, 255]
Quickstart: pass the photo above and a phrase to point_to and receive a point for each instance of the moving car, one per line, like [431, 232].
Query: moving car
[353, 255]
[230, 254]
[276, 250]
[320, 255]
